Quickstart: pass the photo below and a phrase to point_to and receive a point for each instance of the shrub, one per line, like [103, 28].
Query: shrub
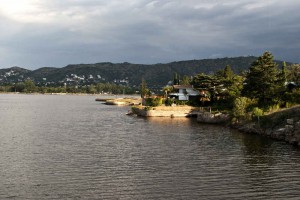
[241, 106]
[257, 112]
[147, 108]
[134, 109]
[292, 98]
[169, 101]
[157, 101]
[182, 103]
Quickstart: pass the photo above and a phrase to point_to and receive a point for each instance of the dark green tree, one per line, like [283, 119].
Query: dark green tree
[29, 86]
[91, 89]
[19, 87]
[144, 90]
[293, 73]
[167, 90]
[209, 83]
[228, 73]
[263, 80]
[230, 87]
[283, 71]
[176, 79]
[185, 80]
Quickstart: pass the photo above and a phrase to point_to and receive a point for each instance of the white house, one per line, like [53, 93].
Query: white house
[184, 92]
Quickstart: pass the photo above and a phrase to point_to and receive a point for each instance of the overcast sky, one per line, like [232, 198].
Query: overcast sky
[54, 33]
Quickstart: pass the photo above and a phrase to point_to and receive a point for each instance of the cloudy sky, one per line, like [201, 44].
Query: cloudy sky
[38, 33]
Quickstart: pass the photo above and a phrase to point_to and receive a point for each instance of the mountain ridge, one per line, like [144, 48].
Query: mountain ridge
[156, 75]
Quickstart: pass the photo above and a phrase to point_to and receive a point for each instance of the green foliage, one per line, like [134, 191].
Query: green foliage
[153, 102]
[91, 89]
[19, 87]
[181, 103]
[222, 88]
[169, 101]
[112, 88]
[156, 75]
[147, 108]
[29, 86]
[6, 88]
[51, 90]
[278, 119]
[257, 112]
[209, 83]
[176, 79]
[241, 106]
[292, 98]
[228, 73]
[185, 80]
[283, 71]
[293, 73]
[167, 90]
[263, 80]
[144, 89]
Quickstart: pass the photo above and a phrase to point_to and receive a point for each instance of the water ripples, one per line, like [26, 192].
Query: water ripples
[70, 147]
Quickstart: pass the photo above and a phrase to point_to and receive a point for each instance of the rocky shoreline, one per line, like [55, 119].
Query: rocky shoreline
[283, 125]
[290, 132]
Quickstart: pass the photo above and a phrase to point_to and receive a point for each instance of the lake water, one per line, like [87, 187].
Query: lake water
[72, 147]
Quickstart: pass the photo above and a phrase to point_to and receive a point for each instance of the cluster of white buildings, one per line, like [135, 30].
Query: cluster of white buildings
[6, 75]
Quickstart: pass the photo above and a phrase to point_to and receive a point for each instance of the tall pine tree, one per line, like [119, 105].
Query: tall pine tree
[263, 80]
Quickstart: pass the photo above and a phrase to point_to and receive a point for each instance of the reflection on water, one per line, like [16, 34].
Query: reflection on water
[71, 147]
[171, 123]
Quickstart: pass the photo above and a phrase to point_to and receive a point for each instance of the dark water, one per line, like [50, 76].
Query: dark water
[71, 147]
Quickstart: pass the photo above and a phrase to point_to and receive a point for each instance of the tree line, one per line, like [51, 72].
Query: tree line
[264, 87]
[29, 86]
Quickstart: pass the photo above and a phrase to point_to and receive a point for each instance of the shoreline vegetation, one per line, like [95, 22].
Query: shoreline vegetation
[264, 100]
[282, 124]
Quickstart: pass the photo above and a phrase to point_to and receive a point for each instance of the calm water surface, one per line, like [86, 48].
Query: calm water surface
[71, 147]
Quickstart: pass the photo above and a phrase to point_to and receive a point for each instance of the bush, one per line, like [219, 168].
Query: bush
[181, 103]
[169, 101]
[147, 108]
[273, 107]
[257, 112]
[292, 98]
[241, 106]
[135, 109]
[153, 101]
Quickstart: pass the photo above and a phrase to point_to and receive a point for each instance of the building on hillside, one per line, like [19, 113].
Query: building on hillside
[184, 93]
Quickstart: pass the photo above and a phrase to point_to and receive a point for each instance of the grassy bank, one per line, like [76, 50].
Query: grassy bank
[278, 119]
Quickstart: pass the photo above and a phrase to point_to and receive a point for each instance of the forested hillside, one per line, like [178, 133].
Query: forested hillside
[156, 75]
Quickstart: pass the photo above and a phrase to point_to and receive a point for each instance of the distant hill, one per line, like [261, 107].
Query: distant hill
[156, 75]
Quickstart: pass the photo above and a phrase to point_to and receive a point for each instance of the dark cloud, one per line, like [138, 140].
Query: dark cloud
[57, 33]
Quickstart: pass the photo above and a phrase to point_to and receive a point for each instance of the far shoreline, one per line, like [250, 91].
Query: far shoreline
[74, 94]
